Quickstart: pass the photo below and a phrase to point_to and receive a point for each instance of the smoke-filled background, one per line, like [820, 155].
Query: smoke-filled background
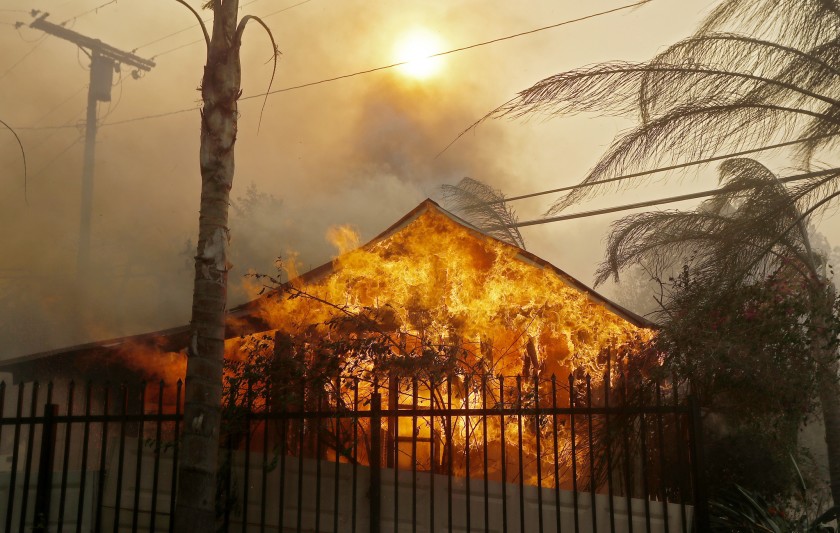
[361, 151]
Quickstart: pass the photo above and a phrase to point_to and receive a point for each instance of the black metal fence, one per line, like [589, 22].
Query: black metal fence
[465, 454]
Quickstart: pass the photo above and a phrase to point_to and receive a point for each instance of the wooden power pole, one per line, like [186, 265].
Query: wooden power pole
[105, 60]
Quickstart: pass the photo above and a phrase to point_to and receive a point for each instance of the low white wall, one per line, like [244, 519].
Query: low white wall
[306, 504]
[404, 518]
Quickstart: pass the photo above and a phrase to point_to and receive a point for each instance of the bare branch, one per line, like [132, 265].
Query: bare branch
[200, 23]
[23, 155]
[276, 53]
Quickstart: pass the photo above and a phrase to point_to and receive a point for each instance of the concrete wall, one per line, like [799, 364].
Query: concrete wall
[303, 508]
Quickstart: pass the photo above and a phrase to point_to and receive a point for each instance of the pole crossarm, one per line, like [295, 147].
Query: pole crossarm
[94, 45]
[102, 67]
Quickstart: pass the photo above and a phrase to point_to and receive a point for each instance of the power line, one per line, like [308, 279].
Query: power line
[202, 40]
[175, 49]
[55, 108]
[88, 12]
[560, 189]
[376, 69]
[23, 58]
[56, 127]
[58, 155]
[660, 169]
[149, 117]
[649, 203]
[182, 30]
[284, 9]
[67, 3]
[452, 51]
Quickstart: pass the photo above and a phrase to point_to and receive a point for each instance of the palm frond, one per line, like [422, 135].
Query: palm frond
[612, 88]
[683, 135]
[821, 135]
[767, 65]
[606, 88]
[738, 235]
[797, 23]
[812, 191]
[485, 208]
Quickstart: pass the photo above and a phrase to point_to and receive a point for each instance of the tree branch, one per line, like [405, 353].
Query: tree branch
[200, 23]
[239, 31]
[23, 154]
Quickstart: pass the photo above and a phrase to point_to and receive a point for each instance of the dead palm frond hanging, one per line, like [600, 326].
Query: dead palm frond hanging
[752, 227]
[485, 208]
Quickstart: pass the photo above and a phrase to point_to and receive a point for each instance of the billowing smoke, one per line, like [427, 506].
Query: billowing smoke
[361, 151]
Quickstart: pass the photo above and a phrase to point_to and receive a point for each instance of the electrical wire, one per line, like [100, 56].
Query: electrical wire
[283, 9]
[57, 106]
[88, 12]
[67, 3]
[454, 50]
[19, 25]
[169, 51]
[149, 117]
[376, 69]
[57, 156]
[77, 121]
[182, 30]
[173, 34]
[660, 169]
[175, 49]
[649, 203]
[23, 58]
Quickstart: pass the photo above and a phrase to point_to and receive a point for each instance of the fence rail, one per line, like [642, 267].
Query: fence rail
[465, 454]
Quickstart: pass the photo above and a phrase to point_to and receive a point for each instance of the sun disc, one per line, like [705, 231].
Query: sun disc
[416, 49]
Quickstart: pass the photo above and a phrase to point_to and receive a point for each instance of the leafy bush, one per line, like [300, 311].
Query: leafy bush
[738, 510]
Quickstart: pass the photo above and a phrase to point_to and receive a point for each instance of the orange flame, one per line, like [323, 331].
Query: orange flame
[442, 279]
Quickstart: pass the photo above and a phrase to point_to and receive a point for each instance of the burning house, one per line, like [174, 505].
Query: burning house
[432, 310]
[435, 290]
[433, 348]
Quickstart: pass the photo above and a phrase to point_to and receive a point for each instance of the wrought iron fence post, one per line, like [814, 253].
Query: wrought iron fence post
[375, 460]
[701, 503]
[45, 470]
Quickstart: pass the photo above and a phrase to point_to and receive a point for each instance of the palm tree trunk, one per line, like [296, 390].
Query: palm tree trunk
[196, 495]
[822, 301]
[830, 404]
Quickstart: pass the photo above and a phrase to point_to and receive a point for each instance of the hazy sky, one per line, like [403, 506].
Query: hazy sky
[360, 151]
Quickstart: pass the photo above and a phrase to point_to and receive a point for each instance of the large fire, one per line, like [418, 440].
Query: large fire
[434, 302]
[454, 308]
[439, 280]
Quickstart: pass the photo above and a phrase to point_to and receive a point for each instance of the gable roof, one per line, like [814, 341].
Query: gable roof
[245, 319]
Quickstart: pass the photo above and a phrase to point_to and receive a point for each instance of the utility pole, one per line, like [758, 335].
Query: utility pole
[105, 60]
